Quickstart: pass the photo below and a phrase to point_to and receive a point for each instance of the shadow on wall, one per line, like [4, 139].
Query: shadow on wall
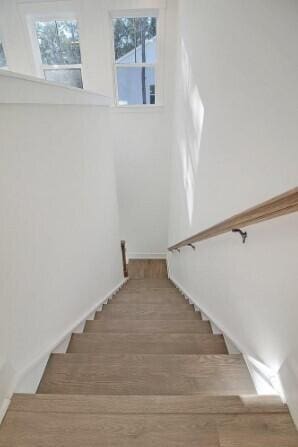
[190, 130]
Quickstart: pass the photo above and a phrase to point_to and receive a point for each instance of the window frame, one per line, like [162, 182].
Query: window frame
[158, 91]
[59, 16]
[5, 67]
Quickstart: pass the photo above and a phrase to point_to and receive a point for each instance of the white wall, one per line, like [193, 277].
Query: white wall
[146, 181]
[236, 145]
[59, 235]
[142, 163]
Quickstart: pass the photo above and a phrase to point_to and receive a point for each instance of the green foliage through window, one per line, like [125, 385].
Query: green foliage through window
[135, 59]
[131, 33]
[2, 56]
[59, 42]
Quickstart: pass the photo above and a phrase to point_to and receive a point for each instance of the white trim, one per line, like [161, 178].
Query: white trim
[256, 369]
[140, 12]
[61, 67]
[135, 5]
[3, 408]
[137, 108]
[146, 255]
[38, 92]
[40, 361]
[135, 65]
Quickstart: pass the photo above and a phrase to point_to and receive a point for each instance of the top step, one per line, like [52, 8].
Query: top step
[147, 268]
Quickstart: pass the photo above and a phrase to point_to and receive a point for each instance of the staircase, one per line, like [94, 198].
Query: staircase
[147, 371]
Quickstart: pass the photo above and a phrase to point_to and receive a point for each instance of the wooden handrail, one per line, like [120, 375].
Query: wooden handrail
[277, 206]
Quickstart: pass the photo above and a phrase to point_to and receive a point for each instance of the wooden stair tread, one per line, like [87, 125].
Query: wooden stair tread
[153, 291]
[147, 343]
[148, 326]
[148, 312]
[147, 298]
[26, 429]
[149, 284]
[165, 291]
[147, 268]
[99, 404]
[146, 374]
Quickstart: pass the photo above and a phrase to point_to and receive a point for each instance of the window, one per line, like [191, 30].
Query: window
[3, 63]
[135, 49]
[59, 45]
[152, 94]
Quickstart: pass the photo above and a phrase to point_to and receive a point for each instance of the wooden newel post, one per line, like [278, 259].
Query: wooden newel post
[123, 250]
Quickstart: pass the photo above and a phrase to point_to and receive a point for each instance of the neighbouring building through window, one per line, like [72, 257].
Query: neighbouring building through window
[135, 48]
[59, 44]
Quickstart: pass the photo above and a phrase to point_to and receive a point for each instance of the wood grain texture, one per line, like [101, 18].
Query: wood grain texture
[148, 326]
[165, 296]
[147, 343]
[25, 429]
[146, 374]
[150, 299]
[197, 404]
[147, 268]
[277, 206]
[149, 284]
[148, 312]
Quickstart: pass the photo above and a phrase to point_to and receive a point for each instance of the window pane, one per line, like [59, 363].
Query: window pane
[70, 76]
[59, 42]
[135, 40]
[69, 41]
[48, 43]
[2, 56]
[135, 85]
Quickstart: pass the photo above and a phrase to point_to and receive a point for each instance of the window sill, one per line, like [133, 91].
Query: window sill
[17, 88]
[137, 109]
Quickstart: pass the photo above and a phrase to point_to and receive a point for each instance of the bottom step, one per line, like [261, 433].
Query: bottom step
[76, 421]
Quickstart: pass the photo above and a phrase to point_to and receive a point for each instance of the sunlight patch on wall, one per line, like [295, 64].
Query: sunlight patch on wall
[188, 178]
[190, 128]
[266, 380]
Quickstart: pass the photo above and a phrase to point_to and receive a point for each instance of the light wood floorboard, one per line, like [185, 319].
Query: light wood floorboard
[196, 404]
[146, 374]
[76, 430]
[147, 268]
[149, 284]
[96, 343]
[148, 326]
[148, 312]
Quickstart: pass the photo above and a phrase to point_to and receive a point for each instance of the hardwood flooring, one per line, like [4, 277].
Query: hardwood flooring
[147, 371]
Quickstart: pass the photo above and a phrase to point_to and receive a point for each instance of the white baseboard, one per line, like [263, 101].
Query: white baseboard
[3, 408]
[27, 379]
[146, 255]
[262, 377]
